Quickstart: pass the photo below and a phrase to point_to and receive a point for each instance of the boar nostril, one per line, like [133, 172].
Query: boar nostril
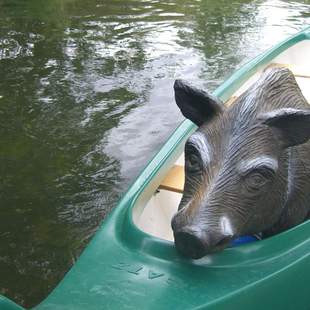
[189, 244]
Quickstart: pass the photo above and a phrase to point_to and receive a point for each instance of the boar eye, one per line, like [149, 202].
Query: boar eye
[257, 178]
[192, 163]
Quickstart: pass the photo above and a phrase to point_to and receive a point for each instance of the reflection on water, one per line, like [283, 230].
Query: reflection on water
[86, 100]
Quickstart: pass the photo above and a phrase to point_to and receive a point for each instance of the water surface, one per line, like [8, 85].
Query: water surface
[86, 100]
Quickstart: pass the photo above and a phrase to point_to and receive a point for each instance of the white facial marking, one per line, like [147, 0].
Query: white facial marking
[260, 161]
[200, 141]
[226, 226]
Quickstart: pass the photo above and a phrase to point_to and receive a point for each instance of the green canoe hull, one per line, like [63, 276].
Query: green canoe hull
[124, 268]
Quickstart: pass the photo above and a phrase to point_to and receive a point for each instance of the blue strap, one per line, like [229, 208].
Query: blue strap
[244, 239]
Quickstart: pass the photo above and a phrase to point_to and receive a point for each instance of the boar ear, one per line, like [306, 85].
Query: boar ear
[291, 126]
[195, 104]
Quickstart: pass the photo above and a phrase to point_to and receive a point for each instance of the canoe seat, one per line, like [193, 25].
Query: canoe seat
[174, 180]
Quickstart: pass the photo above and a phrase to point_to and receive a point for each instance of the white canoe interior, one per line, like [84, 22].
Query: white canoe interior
[154, 209]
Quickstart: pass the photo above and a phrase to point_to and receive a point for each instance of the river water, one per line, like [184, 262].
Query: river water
[86, 100]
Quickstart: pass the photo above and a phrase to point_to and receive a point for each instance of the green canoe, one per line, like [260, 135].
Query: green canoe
[131, 263]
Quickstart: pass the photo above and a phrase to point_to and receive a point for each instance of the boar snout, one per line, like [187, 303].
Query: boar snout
[190, 243]
[196, 243]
